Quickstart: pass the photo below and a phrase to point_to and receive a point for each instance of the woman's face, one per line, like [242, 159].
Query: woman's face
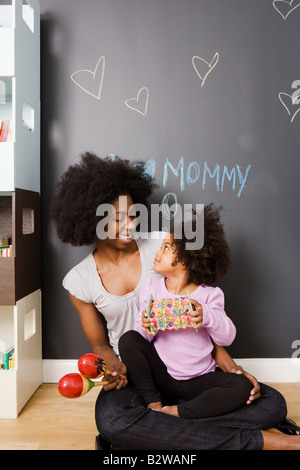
[121, 223]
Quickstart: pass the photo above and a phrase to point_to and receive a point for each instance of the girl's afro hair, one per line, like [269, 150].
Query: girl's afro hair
[86, 185]
[209, 264]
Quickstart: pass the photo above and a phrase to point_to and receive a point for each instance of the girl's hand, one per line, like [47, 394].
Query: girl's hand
[255, 392]
[197, 314]
[118, 378]
[147, 324]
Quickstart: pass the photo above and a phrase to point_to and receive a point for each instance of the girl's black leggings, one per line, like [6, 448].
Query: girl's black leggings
[211, 394]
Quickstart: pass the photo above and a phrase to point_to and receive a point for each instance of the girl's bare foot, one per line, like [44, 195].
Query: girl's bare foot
[170, 410]
[155, 406]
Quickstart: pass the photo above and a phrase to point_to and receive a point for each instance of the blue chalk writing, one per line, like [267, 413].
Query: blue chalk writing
[229, 176]
[216, 174]
[242, 179]
[150, 167]
[196, 168]
[175, 171]
[166, 207]
[206, 175]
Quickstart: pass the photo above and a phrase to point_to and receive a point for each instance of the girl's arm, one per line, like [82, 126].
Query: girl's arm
[95, 333]
[212, 317]
[227, 364]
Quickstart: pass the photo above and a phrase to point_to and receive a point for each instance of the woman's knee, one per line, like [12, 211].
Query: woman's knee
[116, 411]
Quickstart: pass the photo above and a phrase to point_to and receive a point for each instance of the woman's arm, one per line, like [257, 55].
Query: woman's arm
[227, 364]
[95, 333]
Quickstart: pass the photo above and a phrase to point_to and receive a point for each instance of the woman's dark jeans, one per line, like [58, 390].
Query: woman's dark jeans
[123, 420]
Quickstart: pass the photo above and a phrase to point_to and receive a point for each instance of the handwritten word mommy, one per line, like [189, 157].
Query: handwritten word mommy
[202, 175]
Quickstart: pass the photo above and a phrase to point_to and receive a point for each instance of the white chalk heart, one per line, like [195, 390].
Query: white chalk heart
[290, 103]
[285, 8]
[199, 63]
[91, 81]
[140, 103]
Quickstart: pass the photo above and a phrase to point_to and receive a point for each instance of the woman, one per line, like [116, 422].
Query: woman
[104, 290]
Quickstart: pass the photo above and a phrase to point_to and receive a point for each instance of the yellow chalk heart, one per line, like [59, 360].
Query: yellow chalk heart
[209, 66]
[293, 101]
[88, 79]
[285, 8]
[140, 103]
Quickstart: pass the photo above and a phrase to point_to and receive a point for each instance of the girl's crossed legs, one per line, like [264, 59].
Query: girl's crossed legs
[211, 394]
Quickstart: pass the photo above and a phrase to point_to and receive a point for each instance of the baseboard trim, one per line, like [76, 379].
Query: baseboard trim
[265, 370]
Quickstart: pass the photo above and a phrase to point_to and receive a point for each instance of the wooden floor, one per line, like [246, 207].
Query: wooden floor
[51, 422]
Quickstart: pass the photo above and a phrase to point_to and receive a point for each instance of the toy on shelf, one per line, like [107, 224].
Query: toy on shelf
[90, 366]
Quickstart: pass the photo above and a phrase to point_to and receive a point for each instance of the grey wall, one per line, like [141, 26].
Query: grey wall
[235, 122]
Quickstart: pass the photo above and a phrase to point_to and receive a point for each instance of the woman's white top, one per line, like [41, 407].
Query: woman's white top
[120, 312]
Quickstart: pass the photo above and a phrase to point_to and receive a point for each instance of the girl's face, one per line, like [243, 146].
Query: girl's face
[165, 257]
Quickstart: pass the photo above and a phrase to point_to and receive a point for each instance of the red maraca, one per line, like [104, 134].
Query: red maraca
[75, 385]
[92, 366]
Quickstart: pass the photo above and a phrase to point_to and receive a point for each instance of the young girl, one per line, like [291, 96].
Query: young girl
[178, 364]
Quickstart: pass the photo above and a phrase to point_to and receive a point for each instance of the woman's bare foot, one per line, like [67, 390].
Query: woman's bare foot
[155, 406]
[275, 440]
[170, 410]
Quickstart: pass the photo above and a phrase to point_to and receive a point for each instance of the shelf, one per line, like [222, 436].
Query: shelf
[7, 13]
[22, 325]
[7, 283]
[20, 220]
[5, 92]
[20, 274]
[20, 94]
[7, 170]
[7, 37]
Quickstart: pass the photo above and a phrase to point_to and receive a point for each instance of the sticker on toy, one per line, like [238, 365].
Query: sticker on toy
[170, 314]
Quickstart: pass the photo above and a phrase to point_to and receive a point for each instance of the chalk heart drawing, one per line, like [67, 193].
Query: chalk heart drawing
[285, 8]
[289, 103]
[140, 103]
[91, 81]
[204, 68]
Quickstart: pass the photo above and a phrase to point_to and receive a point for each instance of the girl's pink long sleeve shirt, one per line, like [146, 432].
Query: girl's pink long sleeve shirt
[187, 353]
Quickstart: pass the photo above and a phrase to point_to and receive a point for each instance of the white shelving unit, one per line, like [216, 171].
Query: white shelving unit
[20, 294]
[21, 326]
[19, 94]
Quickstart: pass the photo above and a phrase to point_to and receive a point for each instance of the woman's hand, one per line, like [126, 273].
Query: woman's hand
[255, 392]
[197, 314]
[227, 364]
[147, 324]
[95, 332]
[118, 378]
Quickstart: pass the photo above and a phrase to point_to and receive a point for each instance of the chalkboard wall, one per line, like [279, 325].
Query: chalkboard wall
[206, 93]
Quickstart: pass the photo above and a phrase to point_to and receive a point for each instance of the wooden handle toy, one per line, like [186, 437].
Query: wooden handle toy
[92, 366]
[76, 385]
[149, 304]
[191, 307]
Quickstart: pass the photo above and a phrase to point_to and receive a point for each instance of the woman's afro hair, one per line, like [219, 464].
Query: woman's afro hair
[209, 264]
[91, 182]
